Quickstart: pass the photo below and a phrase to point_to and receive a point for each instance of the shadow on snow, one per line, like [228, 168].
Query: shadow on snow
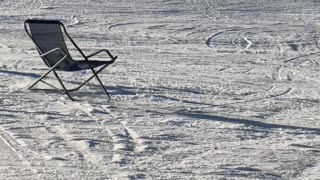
[246, 122]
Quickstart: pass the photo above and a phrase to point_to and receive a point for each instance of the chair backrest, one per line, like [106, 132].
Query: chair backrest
[47, 35]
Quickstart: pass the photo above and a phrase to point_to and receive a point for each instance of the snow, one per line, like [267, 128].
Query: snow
[202, 89]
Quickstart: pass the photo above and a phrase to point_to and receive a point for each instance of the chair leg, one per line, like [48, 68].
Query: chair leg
[45, 74]
[67, 91]
[63, 86]
[40, 79]
[86, 81]
[101, 84]
[61, 83]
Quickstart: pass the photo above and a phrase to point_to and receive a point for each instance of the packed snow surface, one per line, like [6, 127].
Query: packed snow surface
[202, 89]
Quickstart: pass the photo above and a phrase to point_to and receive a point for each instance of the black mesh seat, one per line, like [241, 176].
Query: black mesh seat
[48, 37]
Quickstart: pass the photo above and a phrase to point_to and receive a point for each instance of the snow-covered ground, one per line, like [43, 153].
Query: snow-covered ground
[202, 89]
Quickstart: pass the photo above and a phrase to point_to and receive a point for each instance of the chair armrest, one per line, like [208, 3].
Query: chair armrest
[53, 50]
[103, 50]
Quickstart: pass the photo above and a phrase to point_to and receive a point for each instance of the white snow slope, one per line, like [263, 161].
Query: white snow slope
[202, 89]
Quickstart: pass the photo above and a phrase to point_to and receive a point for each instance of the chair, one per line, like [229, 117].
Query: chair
[47, 35]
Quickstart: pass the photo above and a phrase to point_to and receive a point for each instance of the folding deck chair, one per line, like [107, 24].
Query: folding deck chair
[49, 40]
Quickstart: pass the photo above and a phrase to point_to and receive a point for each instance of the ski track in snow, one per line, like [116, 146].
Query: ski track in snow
[14, 146]
[202, 89]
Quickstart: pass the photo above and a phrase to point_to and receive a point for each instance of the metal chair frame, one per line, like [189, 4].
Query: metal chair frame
[65, 55]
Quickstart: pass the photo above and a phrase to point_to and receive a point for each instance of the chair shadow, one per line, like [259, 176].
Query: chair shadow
[246, 122]
[17, 73]
[119, 90]
[157, 92]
